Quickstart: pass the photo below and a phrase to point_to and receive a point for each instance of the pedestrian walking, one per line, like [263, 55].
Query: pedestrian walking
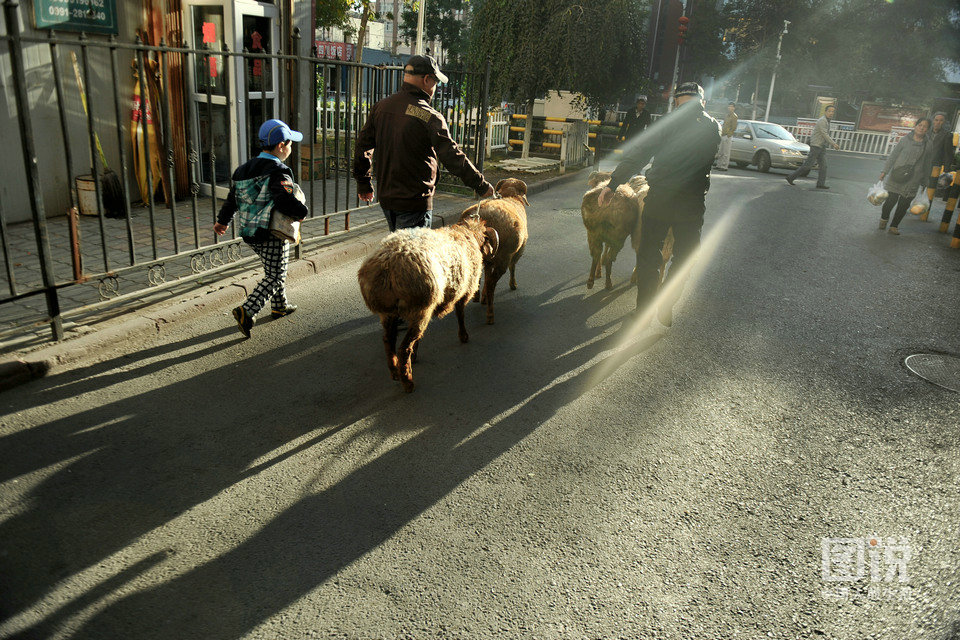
[406, 138]
[726, 137]
[259, 186]
[941, 151]
[635, 121]
[818, 150]
[683, 146]
[903, 173]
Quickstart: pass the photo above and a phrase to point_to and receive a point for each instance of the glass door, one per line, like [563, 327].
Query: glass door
[205, 25]
[230, 126]
[257, 29]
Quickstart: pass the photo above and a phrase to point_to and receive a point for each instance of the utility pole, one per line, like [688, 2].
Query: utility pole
[773, 79]
[420, 16]
[676, 62]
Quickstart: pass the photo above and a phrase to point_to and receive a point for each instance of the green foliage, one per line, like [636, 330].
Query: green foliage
[705, 49]
[890, 50]
[439, 24]
[536, 46]
[332, 13]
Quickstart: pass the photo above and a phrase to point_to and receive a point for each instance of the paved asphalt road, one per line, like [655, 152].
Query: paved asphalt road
[560, 476]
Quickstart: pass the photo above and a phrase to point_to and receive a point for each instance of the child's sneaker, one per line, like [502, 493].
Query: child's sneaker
[244, 321]
[285, 311]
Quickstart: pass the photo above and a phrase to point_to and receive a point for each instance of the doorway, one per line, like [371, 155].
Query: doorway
[229, 124]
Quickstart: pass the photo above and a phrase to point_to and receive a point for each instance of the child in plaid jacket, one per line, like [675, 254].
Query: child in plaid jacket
[259, 186]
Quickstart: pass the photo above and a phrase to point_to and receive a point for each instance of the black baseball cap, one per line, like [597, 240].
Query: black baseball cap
[424, 66]
[688, 89]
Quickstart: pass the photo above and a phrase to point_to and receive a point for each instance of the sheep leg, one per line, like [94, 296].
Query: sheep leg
[490, 284]
[613, 250]
[389, 324]
[609, 255]
[596, 249]
[513, 266]
[458, 307]
[407, 348]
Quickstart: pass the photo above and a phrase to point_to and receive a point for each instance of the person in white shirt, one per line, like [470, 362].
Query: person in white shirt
[818, 150]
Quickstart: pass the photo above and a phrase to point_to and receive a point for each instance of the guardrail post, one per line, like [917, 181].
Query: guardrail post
[527, 130]
[563, 152]
[485, 119]
[12, 18]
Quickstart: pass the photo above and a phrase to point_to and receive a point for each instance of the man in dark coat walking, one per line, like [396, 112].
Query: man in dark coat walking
[682, 145]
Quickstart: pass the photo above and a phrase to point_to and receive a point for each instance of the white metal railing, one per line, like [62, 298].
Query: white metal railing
[498, 130]
[869, 142]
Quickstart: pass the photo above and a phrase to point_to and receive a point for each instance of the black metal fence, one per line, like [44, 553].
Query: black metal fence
[195, 121]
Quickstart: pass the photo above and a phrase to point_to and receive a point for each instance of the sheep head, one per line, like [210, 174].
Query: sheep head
[597, 177]
[513, 188]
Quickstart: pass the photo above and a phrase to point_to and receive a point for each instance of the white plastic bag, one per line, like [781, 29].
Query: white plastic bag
[920, 204]
[877, 194]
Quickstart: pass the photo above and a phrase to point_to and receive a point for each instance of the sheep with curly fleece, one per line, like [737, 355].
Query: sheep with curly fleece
[608, 226]
[418, 274]
[508, 216]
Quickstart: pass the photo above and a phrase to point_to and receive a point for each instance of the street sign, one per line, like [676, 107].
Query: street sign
[334, 50]
[91, 16]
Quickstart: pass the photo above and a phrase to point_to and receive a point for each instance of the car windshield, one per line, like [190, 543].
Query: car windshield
[772, 131]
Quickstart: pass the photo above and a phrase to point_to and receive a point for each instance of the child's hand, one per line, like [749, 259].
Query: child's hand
[219, 229]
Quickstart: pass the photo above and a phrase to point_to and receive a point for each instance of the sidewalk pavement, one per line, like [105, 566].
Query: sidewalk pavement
[118, 244]
[34, 356]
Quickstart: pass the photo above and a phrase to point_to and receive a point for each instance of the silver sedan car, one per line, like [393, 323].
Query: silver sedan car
[766, 145]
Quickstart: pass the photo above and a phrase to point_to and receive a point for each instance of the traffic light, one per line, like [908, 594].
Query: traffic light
[682, 29]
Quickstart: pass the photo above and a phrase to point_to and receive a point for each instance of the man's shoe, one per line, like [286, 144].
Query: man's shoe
[287, 310]
[790, 181]
[883, 224]
[894, 231]
[822, 186]
[244, 321]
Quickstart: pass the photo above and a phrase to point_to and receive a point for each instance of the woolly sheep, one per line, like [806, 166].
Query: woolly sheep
[417, 274]
[508, 217]
[609, 226]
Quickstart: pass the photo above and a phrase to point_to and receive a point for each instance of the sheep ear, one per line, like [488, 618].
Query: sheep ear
[497, 188]
[491, 243]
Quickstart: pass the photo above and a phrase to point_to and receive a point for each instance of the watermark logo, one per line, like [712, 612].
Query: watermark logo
[872, 568]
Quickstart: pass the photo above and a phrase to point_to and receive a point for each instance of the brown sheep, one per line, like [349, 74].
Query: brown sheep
[608, 227]
[508, 216]
[418, 274]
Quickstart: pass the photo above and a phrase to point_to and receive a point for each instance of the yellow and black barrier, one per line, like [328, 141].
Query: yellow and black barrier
[555, 132]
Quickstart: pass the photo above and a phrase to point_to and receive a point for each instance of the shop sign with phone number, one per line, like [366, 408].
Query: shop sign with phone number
[91, 16]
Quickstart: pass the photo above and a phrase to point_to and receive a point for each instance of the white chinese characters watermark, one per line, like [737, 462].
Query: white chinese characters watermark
[878, 564]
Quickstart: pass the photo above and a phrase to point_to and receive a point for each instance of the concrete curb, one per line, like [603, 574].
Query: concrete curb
[31, 363]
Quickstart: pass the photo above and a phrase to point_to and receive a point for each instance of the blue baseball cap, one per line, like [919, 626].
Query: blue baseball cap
[273, 132]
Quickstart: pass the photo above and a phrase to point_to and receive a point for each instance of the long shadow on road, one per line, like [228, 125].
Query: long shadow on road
[131, 465]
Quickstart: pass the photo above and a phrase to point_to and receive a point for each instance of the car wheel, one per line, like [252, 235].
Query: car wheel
[741, 163]
[763, 161]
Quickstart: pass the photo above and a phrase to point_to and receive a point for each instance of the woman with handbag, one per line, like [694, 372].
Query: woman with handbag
[263, 190]
[903, 172]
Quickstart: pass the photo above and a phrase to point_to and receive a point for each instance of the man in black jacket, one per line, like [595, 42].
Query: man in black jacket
[942, 150]
[682, 145]
[406, 137]
[635, 121]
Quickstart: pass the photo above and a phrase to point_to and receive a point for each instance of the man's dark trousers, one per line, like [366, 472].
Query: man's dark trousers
[661, 211]
[408, 219]
[817, 155]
